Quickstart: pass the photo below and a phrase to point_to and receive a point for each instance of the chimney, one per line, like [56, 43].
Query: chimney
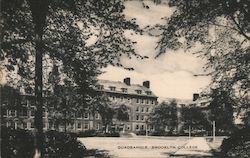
[127, 81]
[146, 84]
[195, 96]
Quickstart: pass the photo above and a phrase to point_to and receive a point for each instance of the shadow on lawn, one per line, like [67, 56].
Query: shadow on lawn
[215, 154]
[95, 153]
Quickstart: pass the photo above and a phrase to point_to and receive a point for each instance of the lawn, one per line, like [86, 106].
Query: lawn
[140, 146]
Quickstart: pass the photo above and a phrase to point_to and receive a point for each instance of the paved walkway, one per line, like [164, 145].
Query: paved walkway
[195, 146]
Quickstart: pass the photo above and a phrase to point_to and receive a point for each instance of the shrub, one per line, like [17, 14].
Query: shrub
[157, 133]
[20, 144]
[16, 143]
[63, 145]
[88, 133]
[238, 144]
[111, 134]
[141, 132]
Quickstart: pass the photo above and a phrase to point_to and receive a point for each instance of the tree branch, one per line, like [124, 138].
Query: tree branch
[239, 29]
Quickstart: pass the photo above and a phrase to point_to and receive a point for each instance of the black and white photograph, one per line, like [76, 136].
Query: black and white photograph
[125, 78]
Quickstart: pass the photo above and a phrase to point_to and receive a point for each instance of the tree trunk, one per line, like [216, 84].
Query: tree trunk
[39, 98]
[65, 121]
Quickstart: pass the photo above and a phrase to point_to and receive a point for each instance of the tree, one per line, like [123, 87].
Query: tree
[221, 110]
[192, 117]
[32, 29]
[165, 115]
[121, 113]
[223, 28]
[10, 100]
[103, 106]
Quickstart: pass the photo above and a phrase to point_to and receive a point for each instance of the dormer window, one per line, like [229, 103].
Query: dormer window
[138, 91]
[124, 90]
[112, 88]
[149, 93]
[100, 87]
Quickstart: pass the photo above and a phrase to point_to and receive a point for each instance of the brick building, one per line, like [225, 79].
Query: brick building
[139, 100]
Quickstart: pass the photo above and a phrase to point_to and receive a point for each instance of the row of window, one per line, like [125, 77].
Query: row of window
[128, 99]
[31, 113]
[145, 101]
[143, 127]
[140, 117]
[116, 98]
[140, 127]
[30, 125]
[23, 113]
[124, 90]
[142, 109]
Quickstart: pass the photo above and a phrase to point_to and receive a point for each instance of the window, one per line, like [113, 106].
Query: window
[11, 124]
[152, 102]
[112, 88]
[32, 125]
[4, 112]
[24, 125]
[100, 87]
[113, 97]
[44, 112]
[97, 116]
[138, 91]
[147, 109]
[142, 109]
[137, 127]
[142, 117]
[97, 126]
[137, 109]
[142, 101]
[86, 126]
[86, 115]
[32, 112]
[148, 92]
[129, 100]
[12, 113]
[137, 100]
[142, 127]
[124, 90]
[44, 125]
[137, 117]
[128, 127]
[79, 125]
[147, 102]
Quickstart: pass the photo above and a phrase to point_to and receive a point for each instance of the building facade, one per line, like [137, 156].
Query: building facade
[139, 100]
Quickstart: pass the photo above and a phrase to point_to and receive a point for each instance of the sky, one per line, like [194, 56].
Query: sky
[171, 75]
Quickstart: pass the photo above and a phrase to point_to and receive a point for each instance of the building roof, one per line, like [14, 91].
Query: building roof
[200, 102]
[131, 89]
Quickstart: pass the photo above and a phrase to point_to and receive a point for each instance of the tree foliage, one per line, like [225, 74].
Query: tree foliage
[81, 35]
[121, 112]
[221, 110]
[165, 115]
[223, 28]
[194, 117]
[103, 106]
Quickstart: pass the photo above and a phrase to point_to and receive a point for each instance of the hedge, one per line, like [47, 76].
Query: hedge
[20, 144]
